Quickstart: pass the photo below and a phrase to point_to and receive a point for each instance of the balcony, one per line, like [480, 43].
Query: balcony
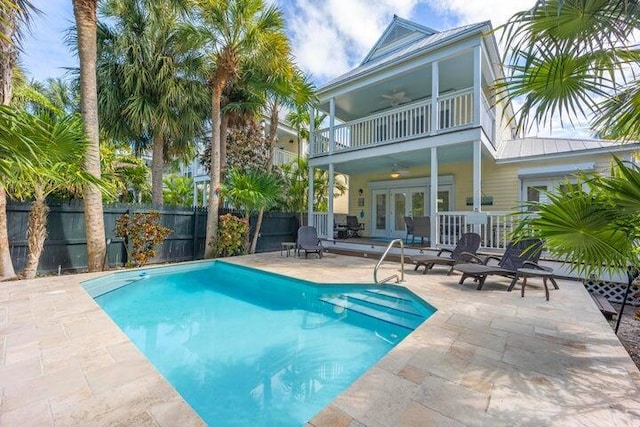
[409, 121]
[282, 157]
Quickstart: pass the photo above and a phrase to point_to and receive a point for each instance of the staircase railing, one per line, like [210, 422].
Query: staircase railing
[384, 255]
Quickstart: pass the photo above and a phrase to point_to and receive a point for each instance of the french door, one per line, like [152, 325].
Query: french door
[391, 205]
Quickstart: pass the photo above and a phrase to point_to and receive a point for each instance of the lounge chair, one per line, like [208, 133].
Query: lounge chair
[353, 226]
[522, 254]
[308, 241]
[468, 244]
[408, 223]
[421, 229]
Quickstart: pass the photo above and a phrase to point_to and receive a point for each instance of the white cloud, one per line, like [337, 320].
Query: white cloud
[498, 11]
[329, 38]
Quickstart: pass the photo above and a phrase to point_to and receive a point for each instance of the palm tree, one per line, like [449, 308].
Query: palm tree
[149, 80]
[236, 33]
[63, 143]
[569, 58]
[296, 184]
[252, 192]
[566, 55]
[13, 16]
[86, 28]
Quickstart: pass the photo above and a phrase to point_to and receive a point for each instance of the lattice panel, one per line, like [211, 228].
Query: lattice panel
[614, 292]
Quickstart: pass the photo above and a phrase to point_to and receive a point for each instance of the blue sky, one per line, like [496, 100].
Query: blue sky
[328, 37]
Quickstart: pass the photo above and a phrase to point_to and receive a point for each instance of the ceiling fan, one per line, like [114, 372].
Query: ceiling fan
[397, 98]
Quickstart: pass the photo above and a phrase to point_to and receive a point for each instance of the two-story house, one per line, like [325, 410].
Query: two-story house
[419, 132]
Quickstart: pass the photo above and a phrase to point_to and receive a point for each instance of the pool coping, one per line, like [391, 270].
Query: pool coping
[484, 358]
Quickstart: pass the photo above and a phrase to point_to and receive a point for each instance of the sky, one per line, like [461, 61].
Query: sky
[328, 37]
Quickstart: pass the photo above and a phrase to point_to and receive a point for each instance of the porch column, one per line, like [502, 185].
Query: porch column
[330, 203]
[433, 203]
[477, 178]
[477, 84]
[312, 138]
[435, 88]
[310, 198]
[332, 123]
[194, 165]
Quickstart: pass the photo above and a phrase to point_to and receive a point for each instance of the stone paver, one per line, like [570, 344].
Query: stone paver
[484, 358]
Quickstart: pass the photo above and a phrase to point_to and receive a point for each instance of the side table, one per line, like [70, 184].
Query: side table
[524, 273]
[288, 246]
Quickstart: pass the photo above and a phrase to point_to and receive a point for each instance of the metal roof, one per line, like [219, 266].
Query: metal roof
[423, 44]
[535, 146]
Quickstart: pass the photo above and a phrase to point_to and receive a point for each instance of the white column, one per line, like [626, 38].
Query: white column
[435, 90]
[477, 84]
[477, 175]
[194, 165]
[433, 201]
[330, 203]
[332, 123]
[310, 198]
[312, 124]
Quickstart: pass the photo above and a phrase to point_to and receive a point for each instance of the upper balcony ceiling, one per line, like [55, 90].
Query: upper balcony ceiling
[454, 74]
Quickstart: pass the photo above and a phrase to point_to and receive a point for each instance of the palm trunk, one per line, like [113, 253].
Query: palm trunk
[36, 234]
[8, 53]
[157, 167]
[86, 27]
[6, 266]
[224, 125]
[254, 242]
[214, 167]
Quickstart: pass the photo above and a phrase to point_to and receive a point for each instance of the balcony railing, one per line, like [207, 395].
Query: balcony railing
[282, 157]
[405, 122]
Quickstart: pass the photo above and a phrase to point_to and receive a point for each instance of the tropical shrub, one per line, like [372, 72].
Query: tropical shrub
[230, 238]
[142, 235]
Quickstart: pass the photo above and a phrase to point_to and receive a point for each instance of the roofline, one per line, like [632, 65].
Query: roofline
[476, 28]
[428, 31]
[587, 152]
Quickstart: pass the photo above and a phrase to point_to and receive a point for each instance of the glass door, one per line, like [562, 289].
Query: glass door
[379, 213]
[400, 208]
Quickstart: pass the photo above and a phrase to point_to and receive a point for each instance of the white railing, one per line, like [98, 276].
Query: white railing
[283, 157]
[488, 121]
[455, 109]
[495, 231]
[320, 221]
[397, 124]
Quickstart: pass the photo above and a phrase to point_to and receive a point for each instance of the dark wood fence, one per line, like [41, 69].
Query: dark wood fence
[65, 248]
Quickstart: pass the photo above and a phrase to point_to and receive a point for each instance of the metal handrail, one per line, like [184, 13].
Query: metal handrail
[375, 270]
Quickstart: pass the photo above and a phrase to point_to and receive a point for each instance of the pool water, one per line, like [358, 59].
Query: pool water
[245, 347]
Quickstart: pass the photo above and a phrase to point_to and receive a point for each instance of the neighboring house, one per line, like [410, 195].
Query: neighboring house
[286, 150]
[417, 129]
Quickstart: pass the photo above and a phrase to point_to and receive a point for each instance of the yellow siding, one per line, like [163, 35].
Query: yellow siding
[499, 181]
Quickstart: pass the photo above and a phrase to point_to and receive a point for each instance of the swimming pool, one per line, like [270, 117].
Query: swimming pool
[245, 347]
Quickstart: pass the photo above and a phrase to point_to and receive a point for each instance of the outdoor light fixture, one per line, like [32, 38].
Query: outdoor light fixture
[395, 174]
[398, 171]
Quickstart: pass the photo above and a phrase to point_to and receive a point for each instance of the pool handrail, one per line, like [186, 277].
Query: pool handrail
[384, 255]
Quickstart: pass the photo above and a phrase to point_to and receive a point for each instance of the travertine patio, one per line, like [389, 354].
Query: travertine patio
[485, 358]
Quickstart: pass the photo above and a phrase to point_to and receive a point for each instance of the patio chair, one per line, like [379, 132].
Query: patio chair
[408, 223]
[468, 244]
[421, 229]
[522, 254]
[353, 226]
[308, 241]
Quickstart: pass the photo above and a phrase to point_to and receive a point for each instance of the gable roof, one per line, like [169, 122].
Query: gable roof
[397, 30]
[534, 147]
[413, 47]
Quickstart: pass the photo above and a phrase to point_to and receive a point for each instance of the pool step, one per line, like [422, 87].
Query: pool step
[398, 304]
[389, 294]
[387, 314]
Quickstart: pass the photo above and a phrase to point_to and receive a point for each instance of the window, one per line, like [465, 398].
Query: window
[535, 190]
